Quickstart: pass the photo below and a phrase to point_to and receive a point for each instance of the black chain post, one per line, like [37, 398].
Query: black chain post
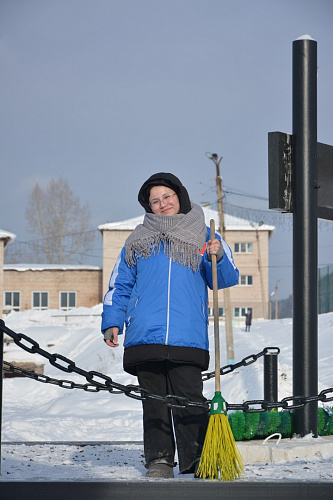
[270, 377]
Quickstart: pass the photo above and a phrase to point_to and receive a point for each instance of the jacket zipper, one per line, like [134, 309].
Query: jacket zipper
[168, 305]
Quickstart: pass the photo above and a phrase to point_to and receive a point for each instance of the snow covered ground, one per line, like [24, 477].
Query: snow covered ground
[70, 433]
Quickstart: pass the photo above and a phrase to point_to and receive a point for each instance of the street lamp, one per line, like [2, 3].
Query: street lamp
[263, 295]
[226, 292]
[214, 157]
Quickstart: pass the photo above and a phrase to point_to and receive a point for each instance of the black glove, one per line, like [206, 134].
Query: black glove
[108, 334]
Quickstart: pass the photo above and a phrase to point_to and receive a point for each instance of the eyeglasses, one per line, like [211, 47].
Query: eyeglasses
[166, 199]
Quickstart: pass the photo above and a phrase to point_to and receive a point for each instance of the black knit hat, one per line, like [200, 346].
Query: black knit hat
[170, 181]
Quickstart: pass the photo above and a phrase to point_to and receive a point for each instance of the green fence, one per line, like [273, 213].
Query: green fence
[325, 289]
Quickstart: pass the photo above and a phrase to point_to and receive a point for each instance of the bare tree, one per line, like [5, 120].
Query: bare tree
[62, 224]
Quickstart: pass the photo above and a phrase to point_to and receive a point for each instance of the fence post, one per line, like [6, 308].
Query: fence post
[270, 377]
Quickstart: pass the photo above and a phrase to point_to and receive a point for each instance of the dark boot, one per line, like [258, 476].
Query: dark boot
[163, 471]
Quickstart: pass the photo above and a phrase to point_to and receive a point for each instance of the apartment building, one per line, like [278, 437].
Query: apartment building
[35, 286]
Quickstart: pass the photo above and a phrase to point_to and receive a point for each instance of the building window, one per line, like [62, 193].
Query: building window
[12, 301]
[67, 300]
[239, 312]
[243, 248]
[40, 300]
[245, 280]
[211, 311]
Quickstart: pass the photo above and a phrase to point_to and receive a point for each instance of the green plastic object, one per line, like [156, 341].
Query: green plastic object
[218, 404]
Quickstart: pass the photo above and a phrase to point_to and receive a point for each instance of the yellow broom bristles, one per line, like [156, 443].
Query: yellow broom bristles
[220, 458]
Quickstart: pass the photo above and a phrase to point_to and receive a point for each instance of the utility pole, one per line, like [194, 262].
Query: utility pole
[276, 300]
[270, 306]
[226, 291]
[263, 292]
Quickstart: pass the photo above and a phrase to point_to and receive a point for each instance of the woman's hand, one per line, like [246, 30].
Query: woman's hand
[214, 247]
[111, 336]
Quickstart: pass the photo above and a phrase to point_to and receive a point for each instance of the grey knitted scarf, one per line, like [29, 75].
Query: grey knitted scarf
[183, 237]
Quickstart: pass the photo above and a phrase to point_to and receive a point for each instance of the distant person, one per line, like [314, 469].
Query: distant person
[248, 320]
[158, 288]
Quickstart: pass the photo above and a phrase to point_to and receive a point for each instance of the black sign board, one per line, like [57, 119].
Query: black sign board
[280, 170]
[325, 181]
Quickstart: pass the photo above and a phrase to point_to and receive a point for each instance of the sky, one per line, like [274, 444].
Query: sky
[106, 93]
[35, 413]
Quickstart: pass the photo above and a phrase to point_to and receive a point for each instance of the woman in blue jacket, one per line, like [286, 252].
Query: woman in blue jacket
[158, 289]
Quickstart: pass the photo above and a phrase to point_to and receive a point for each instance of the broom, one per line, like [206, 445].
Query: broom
[220, 457]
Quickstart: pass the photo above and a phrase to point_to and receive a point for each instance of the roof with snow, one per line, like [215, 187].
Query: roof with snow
[49, 267]
[232, 223]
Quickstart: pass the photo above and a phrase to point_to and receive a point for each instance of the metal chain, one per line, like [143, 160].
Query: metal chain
[132, 391]
[137, 392]
[99, 382]
[248, 360]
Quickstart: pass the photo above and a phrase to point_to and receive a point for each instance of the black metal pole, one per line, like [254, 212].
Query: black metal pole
[305, 237]
[270, 377]
[1, 387]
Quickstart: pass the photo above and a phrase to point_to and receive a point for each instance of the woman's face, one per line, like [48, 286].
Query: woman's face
[163, 201]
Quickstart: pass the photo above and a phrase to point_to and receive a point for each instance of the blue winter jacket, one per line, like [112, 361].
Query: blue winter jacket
[164, 305]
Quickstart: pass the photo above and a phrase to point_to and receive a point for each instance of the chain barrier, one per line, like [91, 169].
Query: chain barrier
[248, 360]
[99, 382]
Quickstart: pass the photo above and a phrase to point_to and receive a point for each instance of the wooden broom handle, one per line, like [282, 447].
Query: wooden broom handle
[216, 313]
